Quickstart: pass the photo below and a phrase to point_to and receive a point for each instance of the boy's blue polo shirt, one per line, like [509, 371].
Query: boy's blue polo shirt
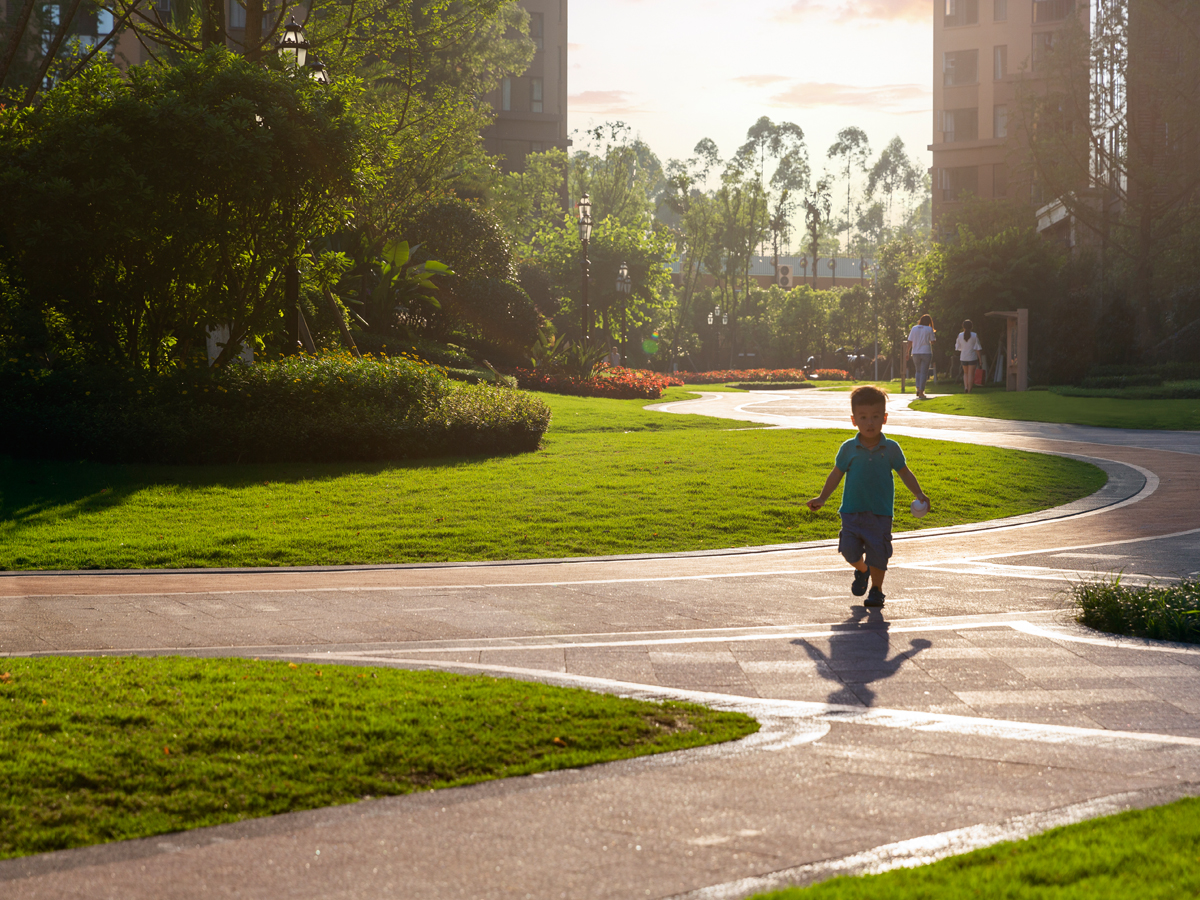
[869, 486]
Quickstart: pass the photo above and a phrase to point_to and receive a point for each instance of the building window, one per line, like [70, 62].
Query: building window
[535, 95]
[1000, 11]
[237, 14]
[506, 94]
[163, 7]
[999, 62]
[1043, 46]
[960, 125]
[961, 12]
[956, 182]
[960, 67]
[1052, 10]
[537, 30]
[1000, 180]
[1000, 121]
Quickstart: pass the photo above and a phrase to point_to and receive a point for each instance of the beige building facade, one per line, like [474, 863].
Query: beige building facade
[531, 109]
[982, 49]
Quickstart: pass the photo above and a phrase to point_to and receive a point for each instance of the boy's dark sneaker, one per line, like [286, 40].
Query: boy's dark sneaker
[875, 598]
[860, 583]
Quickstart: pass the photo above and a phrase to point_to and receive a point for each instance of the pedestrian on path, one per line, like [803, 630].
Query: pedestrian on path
[968, 348]
[920, 348]
[868, 501]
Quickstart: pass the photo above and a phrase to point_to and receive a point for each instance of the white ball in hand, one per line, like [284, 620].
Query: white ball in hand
[919, 508]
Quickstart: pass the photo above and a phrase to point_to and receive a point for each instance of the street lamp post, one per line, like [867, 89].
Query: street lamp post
[293, 46]
[585, 235]
[624, 287]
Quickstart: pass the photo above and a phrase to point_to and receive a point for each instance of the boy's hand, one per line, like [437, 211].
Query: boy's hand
[815, 503]
[925, 501]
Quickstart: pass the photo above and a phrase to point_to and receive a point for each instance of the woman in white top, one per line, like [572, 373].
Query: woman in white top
[920, 348]
[968, 348]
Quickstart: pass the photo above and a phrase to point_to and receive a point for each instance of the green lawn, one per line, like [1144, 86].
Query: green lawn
[611, 479]
[1044, 406]
[104, 749]
[1150, 854]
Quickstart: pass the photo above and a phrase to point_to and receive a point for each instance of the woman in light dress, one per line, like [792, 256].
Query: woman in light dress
[968, 348]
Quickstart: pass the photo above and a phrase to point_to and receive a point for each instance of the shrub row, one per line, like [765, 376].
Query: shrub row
[617, 383]
[1178, 390]
[728, 375]
[1160, 612]
[323, 408]
[770, 385]
[830, 375]
[1120, 381]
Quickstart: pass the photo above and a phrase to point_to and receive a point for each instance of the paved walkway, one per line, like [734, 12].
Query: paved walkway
[969, 710]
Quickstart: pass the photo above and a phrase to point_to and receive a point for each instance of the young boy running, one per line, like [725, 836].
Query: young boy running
[868, 501]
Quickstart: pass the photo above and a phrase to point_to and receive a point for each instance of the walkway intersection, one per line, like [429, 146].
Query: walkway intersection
[971, 709]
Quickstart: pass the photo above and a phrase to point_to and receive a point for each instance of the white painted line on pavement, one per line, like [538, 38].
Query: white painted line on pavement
[918, 851]
[803, 711]
[1099, 640]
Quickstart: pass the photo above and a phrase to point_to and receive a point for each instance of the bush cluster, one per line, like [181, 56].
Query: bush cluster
[1160, 612]
[727, 375]
[617, 383]
[1121, 381]
[322, 408]
[770, 385]
[830, 375]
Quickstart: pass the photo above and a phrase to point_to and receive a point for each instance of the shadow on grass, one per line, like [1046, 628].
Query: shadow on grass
[30, 488]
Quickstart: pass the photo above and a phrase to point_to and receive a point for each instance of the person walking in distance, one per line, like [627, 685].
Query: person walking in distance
[867, 461]
[920, 348]
[968, 348]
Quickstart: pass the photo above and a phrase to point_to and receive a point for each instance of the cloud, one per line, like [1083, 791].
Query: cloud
[759, 80]
[857, 11]
[603, 102]
[894, 98]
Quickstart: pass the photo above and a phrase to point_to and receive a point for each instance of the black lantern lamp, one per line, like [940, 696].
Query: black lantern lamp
[293, 46]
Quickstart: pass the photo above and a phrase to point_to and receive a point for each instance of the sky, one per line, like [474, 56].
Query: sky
[681, 70]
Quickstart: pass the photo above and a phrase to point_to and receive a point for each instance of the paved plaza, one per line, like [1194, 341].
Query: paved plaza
[970, 709]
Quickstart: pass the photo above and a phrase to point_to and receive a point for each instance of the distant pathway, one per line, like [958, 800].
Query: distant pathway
[972, 709]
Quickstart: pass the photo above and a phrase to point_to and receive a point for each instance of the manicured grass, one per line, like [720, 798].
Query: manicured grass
[1149, 854]
[612, 478]
[1164, 612]
[104, 749]
[1044, 406]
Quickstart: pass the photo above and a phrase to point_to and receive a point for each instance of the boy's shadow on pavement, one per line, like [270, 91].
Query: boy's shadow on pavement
[858, 656]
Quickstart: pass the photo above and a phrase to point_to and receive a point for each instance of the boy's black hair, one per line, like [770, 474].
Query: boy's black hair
[867, 395]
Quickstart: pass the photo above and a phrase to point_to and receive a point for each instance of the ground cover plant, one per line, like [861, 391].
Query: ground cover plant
[616, 382]
[1045, 406]
[723, 376]
[1164, 612]
[612, 478]
[1149, 854]
[305, 408]
[103, 749]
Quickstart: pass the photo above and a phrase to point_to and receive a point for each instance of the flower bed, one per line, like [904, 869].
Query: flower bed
[616, 382]
[727, 375]
[830, 375]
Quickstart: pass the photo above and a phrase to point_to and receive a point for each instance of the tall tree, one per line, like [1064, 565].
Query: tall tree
[894, 172]
[854, 149]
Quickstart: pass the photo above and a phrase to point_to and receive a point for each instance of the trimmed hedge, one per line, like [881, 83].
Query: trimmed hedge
[323, 408]
[770, 385]
[727, 375]
[617, 382]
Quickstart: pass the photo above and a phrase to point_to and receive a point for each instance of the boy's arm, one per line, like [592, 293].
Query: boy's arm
[831, 484]
[910, 482]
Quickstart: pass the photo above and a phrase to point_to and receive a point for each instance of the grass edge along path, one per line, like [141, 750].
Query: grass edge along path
[1045, 406]
[98, 749]
[1146, 854]
[611, 479]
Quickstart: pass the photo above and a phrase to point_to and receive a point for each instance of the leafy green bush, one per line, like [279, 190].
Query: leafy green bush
[323, 408]
[1168, 612]
[1121, 381]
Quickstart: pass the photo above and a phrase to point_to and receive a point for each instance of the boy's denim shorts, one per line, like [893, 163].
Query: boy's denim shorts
[866, 533]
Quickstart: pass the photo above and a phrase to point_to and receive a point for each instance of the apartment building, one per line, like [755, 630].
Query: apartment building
[531, 109]
[982, 50]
